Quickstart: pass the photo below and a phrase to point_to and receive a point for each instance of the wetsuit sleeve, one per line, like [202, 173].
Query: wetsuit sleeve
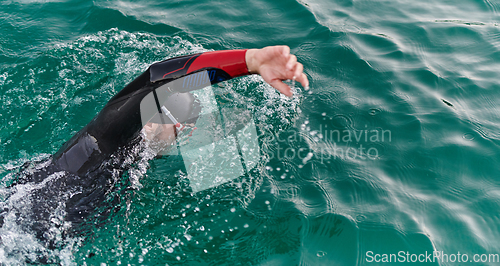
[119, 122]
[231, 62]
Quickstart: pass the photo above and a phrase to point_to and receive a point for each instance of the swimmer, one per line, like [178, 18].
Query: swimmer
[83, 172]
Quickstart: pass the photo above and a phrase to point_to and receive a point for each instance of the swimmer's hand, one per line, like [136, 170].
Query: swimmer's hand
[275, 64]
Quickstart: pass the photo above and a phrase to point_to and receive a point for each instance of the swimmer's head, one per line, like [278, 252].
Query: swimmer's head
[179, 109]
[184, 107]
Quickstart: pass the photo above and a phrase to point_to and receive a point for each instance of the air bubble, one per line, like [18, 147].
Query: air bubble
[468, 136]
[307, 158]
[374, 111]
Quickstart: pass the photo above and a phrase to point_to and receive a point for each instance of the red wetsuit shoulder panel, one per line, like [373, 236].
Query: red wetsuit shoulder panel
[231, 61]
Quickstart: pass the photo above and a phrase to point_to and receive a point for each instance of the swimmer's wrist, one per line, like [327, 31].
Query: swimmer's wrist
[252, 64]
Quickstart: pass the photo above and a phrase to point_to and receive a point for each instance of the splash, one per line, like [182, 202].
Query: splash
[69, 83]
[66, 84]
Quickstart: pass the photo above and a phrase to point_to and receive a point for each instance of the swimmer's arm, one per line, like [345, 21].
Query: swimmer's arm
[275, 64]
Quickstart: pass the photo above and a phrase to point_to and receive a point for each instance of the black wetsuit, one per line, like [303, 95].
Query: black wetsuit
[84, 171]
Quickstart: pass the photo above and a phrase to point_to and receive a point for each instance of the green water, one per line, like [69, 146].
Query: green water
[396, 146]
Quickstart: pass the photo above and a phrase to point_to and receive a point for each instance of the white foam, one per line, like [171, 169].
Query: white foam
[18, 245]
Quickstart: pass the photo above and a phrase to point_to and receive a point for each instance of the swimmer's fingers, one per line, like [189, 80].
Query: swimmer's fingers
[297, 69]
[281, 87]
[285, 50]
[291, 63]
[299, 75]
[276, 64]
[285, 89]
[302, 78]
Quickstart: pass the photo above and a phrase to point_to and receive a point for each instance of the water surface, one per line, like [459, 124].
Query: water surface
[394, 148]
